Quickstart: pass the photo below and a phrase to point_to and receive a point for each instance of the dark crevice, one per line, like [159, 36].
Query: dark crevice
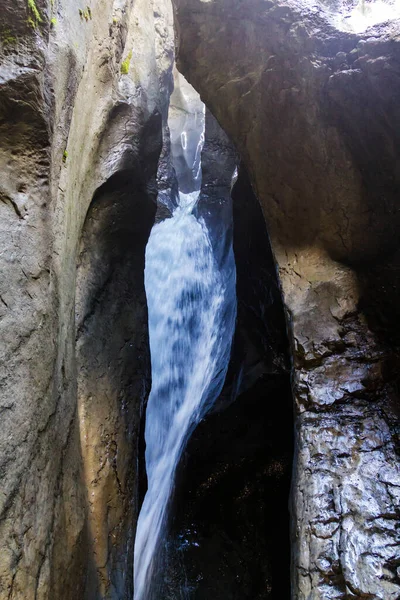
[230, 527]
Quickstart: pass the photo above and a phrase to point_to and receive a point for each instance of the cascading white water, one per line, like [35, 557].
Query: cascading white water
[192, 309]
[357, 17]
[366, 15]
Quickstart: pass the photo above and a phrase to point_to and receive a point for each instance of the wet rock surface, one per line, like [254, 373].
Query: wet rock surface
[83, 102]
[113, 372]
[311, 109]
[185, 120]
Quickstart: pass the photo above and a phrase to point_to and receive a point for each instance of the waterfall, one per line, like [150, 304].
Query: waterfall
[357, 17]
[192, 309]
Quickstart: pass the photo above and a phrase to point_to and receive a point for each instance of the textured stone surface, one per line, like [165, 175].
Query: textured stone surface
[75, 131]
[312, 111]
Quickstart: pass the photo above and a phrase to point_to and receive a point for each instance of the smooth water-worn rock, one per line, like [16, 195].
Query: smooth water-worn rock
[309, 95]
[311, 107]
[83, 103]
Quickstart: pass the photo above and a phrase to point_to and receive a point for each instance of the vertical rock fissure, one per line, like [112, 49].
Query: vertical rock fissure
[231, 529]
[192, 308]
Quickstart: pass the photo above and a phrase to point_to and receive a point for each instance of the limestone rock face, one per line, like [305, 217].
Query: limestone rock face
[83, 104]
[312, 107]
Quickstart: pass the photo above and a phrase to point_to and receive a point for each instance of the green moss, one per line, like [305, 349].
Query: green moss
[7, 38]
[115, 20]
[65, 156]
[125, 64]
[53, 22]
[85, 13]
[35, 17]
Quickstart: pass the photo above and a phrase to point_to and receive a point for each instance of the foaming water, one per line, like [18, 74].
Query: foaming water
[192, 309]
[368, 14]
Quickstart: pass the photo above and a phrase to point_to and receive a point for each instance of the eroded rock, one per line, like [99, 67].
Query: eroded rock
[83, 102]
[311, 109]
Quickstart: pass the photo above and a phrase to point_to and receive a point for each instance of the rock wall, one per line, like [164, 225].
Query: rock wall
[83, 102]
[312, 110]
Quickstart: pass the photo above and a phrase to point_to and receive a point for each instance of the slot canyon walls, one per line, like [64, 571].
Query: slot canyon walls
[83, 103]
[313, 111]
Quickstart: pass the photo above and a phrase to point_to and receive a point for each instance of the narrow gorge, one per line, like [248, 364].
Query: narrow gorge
[199, 300]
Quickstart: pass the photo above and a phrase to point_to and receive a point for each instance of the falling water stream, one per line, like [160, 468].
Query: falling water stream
[357, 17]
[192, 308]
